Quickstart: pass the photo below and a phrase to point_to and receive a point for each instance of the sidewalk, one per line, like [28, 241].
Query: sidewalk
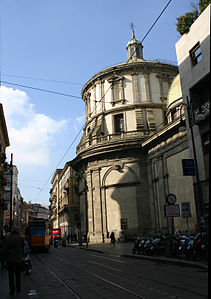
[125, 249]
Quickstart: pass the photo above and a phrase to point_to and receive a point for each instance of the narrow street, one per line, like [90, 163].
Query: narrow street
[74, 273]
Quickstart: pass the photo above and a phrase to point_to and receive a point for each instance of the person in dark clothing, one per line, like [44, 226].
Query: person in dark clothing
[14, 245]
[2, 251]
[113, 239]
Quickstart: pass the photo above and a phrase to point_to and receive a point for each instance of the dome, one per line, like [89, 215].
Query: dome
[175, 91]
[133, 41]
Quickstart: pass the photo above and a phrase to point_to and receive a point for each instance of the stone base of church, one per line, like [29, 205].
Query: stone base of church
[98, 237]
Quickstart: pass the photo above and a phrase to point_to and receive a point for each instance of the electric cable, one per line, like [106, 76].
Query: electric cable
[156, 20]
[41, 89]
[124, 66]
[43, 79]
[60, 161]
[31, 186]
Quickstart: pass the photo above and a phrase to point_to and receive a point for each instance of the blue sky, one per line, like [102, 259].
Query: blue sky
[59, 46]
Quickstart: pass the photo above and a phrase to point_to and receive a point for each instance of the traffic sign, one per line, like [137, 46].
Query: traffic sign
[172, 210]
[80, 215]
[186, 212]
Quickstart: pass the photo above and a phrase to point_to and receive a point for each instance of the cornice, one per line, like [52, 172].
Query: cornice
[139, 65]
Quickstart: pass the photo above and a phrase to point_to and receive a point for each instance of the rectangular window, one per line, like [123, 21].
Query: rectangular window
[118, 123]
[116, 91]
[139, 120]
[132, 51]
[195, 54]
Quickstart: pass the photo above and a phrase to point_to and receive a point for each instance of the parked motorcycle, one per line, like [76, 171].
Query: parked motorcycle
[200, 245]
[189, 248]
[182, 243]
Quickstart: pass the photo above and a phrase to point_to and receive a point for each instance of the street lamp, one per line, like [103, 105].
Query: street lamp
[198, 194]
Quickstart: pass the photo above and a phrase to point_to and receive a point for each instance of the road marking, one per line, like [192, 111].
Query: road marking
[59, 258]
[106, 258]
[118, 286]
[104, 266]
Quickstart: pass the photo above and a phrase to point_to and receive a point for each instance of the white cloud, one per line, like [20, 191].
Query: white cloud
[29, 132]
[78, 123]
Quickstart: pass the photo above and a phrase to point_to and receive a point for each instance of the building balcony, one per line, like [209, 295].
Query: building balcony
[111, 139]
[62, 209]
[53, 217]
[53, 205]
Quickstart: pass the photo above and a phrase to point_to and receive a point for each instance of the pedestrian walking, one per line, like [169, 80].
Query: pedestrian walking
[113, 239]
[2, 252]
[14, 245]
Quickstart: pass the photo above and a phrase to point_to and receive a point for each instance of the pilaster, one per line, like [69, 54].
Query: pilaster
[135, 87]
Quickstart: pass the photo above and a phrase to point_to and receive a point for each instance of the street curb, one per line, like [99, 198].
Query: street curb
[168, 261]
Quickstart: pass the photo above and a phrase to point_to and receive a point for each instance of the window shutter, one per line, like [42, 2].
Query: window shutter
[151, 119]
[139, 120]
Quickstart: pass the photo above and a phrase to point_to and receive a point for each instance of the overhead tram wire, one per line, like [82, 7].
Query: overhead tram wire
[43, 79]
[63, 94]
[43, 187]
[41, 89]
[106, 92]
[68, 95]
[156, 21]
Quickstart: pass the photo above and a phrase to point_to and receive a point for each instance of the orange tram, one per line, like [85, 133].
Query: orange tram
[38, 234]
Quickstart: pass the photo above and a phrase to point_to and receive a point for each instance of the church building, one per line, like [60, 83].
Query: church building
[130, 155]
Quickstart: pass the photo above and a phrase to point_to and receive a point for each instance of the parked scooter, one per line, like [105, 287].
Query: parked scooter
[189, 253]
[200, 245]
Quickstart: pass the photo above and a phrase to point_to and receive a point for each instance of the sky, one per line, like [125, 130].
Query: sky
[58, 45]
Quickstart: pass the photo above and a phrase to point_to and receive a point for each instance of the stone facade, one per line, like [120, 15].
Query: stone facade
[4, 142]
[130, 155]
[193, 54]
[125, 104]
[64, 204]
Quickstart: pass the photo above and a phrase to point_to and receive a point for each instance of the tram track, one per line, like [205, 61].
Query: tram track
[55, 275]
[72, 291]
[104, 274]
[143, 279]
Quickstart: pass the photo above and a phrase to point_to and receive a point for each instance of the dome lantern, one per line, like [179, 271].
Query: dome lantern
[134, 47]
